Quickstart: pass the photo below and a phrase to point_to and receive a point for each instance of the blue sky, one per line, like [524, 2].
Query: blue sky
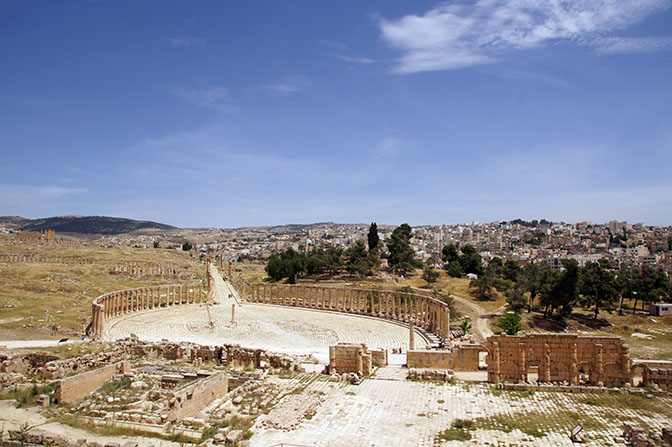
[236, 113]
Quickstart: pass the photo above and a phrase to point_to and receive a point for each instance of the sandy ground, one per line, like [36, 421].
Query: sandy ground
[12, 418]
[13, 344]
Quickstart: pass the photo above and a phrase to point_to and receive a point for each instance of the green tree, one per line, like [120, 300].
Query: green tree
[358, 262]
[455, 269]
[516, 299]
[533, 279]
[275, 268]
[650, 286]
[562, 291]
[470, 260]
[372, 237]
[511, 270]
[156, 244]
[187, 246]
[288, 264]
[510, 323]
[429, 274]
[598, 285]
[401, 255]
[449, 254]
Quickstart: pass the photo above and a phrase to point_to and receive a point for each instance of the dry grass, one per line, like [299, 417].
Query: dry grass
[65, 291]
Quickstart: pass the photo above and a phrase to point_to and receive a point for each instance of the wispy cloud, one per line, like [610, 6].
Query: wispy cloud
[632, 45]
[215, 97]
[38, 192]
[333, 44]
[339, 51]
[185, 42]
[30, 199]
[453, 36]
[390, 147]
[286, 87]
[352, 59]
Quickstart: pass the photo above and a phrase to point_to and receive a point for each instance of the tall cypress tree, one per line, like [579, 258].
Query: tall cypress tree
[373, 237]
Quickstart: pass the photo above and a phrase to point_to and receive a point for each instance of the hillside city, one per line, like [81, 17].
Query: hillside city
[621, 243]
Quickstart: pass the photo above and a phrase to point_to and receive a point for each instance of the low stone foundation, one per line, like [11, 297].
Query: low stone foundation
[76, 387]
[462, 358]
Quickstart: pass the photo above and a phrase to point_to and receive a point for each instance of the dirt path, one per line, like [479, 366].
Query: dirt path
[479, 317]
[12, 418]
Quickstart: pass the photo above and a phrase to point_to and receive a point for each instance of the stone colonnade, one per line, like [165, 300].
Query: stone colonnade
[36, 259]
[114, 304]
[423, 311]
[144, 269]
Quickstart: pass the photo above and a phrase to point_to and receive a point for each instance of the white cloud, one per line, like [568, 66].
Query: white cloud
[213, 97]
[352, 59]
[185, 42]
[460, 35]
[286, 87]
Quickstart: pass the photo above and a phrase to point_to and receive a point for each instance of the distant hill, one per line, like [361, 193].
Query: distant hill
[101, 225]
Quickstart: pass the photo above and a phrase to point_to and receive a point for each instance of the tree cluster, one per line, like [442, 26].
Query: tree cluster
[467, 260]
[597, 286]
[355, 260]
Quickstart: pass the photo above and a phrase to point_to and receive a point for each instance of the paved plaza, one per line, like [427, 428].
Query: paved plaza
[274, 328]
[388, 410]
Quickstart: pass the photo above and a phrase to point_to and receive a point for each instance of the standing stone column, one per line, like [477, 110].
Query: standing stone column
[496, 364]
[522, 362]
[411, 339]
[600, 365]
[574, 365]
[545, 367]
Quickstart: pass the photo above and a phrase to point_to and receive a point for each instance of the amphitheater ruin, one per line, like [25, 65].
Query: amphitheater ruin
[226, 362]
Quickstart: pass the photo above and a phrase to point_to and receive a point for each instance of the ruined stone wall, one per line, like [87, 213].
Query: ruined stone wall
[194, 398]
[423, 311]
[568, 358]
[81, 385]
[36, 236]
[151, 269]
[30, 258]
[662, 377]
[349, 358]
[462, 358]
[379, 357]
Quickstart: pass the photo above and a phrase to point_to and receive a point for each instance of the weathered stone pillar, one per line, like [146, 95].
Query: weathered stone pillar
[545, 367]
[233, 313]
[411, 339]
[94, 324]
[574, 365]
[522, 362]
[497, 364]
[600, 365]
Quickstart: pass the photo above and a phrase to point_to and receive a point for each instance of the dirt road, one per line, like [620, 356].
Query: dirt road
[478, 316]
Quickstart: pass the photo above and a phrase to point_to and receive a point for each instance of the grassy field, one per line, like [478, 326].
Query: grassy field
[28, 291]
